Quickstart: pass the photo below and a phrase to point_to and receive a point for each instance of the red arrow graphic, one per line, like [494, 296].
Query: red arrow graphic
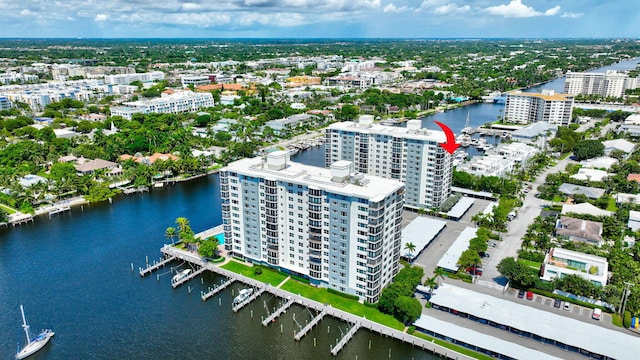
[450, 145]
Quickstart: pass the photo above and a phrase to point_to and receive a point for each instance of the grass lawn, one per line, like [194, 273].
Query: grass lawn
[267, 276]
[557, 198]
[454, 347]
[611, 206]
[531, 264]
[8, 209]
[339, 302]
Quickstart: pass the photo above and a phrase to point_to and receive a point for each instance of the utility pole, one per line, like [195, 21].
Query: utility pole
[625, 297]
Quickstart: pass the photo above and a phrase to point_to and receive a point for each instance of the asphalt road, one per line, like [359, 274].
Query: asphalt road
[512, 239]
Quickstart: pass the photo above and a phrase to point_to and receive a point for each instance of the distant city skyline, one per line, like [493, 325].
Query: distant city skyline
[321, 19]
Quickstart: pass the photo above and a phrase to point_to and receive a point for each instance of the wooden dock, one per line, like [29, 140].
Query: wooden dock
[156, 266]
[277, 313]
[310, 325]
[59, 209]
[345, 339]
[324, 309]
[19, 220]
[253, 296]
[188, 277]
[215, 290]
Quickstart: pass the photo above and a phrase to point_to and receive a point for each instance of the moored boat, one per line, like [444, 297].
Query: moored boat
[33, 343]
[181, 275]
[242, 296]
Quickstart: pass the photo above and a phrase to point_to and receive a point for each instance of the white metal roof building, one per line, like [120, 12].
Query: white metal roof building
[565, 332]
[477, 341]
[449, 260]
[460, 208]
[420, 232]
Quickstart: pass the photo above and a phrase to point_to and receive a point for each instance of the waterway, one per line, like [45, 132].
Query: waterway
[73, 274]
[482, 113]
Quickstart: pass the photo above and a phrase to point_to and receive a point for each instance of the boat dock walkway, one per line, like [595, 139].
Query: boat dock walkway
[216, 289]
[310, 325]
[322, 308]
[188, 277]
[345, 339]
[250, 299]
[155, 266]
[277, 313]
[59, 209]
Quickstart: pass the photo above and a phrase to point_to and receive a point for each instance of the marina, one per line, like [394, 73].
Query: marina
[247, 295]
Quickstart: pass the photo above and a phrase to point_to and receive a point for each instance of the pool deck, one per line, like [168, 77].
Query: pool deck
[210, 232]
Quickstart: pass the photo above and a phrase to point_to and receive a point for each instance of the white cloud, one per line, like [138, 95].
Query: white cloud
[450, 8]
[514, 9]
[392, 8]
[553, 11]
[101, 17]
[27, 12]
[571, 15]
[442, 7]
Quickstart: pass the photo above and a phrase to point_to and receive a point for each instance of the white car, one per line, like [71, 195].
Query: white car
[566, 306]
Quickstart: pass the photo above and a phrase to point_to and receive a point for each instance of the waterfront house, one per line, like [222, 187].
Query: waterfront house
[84, 166]
[578, 230]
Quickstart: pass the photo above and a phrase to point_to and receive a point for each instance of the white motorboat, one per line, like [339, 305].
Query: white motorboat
[181, 275]
[242, 296]
[33, 343]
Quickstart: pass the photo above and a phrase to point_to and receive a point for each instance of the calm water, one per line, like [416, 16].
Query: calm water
[73, 274]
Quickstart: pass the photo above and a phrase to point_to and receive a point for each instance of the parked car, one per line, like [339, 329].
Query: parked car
[529, 295]
[557, 303]
[597, 314]
[474, 271]
[566, 306]
[521, 293]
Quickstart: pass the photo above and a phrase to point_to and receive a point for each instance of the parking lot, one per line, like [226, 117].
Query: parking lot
[574, 311]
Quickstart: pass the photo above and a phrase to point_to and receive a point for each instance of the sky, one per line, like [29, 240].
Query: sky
[320, 18]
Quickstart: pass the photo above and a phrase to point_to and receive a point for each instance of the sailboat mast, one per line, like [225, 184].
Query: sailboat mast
[25, 326]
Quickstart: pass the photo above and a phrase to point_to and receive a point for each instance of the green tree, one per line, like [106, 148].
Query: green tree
[348, 112]
[171, 233]
[588, 149]
[410, 247]
[209, 248]
[99, 192]
[407, 309]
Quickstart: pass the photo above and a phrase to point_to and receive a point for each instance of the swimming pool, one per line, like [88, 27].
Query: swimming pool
[220, 238]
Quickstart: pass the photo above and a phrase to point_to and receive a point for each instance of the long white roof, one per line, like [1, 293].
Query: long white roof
[449, 260]
[479, 339]
[584, 335]
[420, 232]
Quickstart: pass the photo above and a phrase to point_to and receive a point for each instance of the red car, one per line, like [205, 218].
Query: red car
[529, 295]
[474, 271]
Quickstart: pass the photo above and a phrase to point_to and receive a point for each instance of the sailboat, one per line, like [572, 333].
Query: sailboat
[467, 129]
[33, 344]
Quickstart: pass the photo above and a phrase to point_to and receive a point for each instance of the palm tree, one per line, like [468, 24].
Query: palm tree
[432, 283]
[439, 273]
[183, 223]
[410, 247]
[171, 233]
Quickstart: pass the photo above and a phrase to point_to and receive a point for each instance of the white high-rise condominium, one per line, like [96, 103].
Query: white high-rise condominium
[411, 155]
[608, 84]
[339, 229]
[549, 107]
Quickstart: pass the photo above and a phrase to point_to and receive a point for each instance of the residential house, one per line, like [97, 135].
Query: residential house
[559, 263]
[590, 192]
[579, 230]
